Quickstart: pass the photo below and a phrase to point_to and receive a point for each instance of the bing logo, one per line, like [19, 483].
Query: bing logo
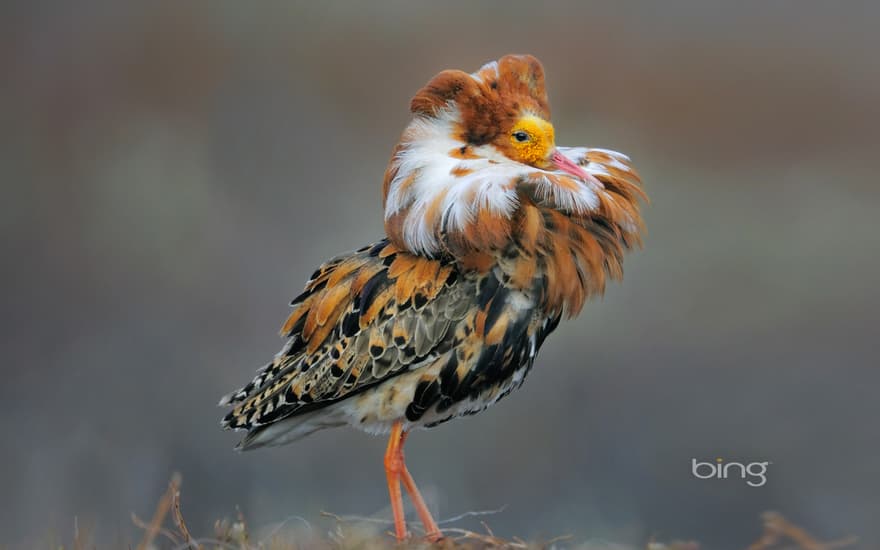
[754, 473]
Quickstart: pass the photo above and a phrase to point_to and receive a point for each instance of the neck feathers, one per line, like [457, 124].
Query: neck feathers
[547, 232]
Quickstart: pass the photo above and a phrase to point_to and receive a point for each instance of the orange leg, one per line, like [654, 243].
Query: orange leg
[395, 469]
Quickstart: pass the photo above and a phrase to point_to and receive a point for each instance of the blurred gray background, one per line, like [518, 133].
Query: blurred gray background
[172, 173]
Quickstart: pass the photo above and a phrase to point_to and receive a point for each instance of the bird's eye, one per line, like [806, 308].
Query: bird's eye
[520, 136]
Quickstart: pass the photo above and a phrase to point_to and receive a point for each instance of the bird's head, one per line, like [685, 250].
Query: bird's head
[478, 146]
[531, 141]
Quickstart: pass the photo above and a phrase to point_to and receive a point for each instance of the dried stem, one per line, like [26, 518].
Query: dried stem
[777, 528]
[155, 525]
[178, 518]
[138, 522]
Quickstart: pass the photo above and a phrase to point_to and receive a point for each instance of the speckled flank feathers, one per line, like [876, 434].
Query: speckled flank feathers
[493, 235]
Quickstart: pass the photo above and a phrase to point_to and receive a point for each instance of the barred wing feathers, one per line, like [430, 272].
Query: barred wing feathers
[363, 318]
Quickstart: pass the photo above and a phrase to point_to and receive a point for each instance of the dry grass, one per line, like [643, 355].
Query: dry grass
[167, 529]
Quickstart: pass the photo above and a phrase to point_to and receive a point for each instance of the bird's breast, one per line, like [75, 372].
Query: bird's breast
[555, 261]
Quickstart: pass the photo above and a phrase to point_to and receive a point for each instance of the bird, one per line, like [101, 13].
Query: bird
[493, 234]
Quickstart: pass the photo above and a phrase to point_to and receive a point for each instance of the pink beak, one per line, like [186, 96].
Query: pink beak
[568, 166]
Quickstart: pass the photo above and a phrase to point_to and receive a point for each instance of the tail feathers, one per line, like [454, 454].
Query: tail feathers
[233, 398]
[290, 429]
[240, 395]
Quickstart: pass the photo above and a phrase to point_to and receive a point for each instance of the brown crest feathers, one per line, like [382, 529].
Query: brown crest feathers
[447, 86]
[489, 100]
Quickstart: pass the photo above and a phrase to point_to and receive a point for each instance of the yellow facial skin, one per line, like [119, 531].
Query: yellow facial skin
[532, 141]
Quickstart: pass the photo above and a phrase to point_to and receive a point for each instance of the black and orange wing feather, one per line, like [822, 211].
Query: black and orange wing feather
[363, 318]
